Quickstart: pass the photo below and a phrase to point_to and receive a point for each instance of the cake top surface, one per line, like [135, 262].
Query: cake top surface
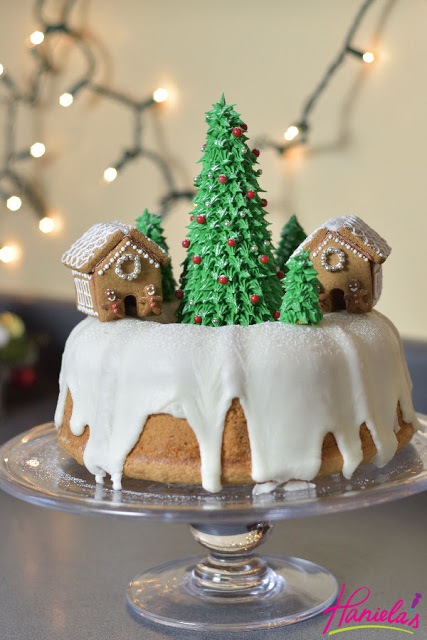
[362, 234]
[100, 239]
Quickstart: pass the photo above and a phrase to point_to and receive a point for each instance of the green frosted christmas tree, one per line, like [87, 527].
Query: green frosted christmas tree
[230, 273]
[300, 304]
[151, 225]
[291, 237]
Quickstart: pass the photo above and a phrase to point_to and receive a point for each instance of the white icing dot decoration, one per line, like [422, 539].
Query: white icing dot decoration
[87, 246]
[333, 251]
[136, 269]
[362, 233]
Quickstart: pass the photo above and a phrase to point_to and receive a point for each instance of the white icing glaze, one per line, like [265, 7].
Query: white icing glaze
[298, 485]
[295, 384]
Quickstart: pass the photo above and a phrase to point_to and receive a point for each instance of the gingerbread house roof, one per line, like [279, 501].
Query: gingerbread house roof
[100, 239]
[354, 230]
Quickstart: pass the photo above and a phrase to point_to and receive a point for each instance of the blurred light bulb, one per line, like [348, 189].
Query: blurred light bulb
[110, 174]
[160, 95]
[66, 99]
[368, 57]
[37, 149]
[46, 224]
[14, 203]
[8, 253]
[36, 38]
[1, 69]
[291, 132]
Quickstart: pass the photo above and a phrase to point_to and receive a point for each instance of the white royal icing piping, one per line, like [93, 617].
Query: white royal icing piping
[358, 228]
[295, 384]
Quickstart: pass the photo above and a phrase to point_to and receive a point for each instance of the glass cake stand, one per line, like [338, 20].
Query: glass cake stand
[230, 589]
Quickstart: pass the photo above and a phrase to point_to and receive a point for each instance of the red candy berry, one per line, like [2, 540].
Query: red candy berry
[191, 218]
[276, 315]
[197, 319]
[264, 259]
[264, 202]
[186, 243]
[197, 259]
[231, 242]
[223, 279]
[222, 178]
[201, 219]
[256, 152]
[179, 294]
[237, 132]
[280, 275]
[254, 298]
[244, 126]
[250, 193]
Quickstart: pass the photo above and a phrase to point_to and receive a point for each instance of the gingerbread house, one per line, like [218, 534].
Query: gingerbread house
[116, 271]
[347, 255]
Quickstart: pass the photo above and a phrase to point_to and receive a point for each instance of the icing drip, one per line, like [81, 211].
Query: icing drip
[295, 384]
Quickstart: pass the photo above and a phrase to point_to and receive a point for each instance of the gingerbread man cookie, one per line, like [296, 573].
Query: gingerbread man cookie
[355, 298]
[150, 303]
[113, 305]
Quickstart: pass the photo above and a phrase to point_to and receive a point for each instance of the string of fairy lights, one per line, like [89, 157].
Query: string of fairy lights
[16, 187]
[298, 132]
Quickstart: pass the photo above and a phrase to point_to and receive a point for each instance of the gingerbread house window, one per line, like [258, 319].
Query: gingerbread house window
[84, 296]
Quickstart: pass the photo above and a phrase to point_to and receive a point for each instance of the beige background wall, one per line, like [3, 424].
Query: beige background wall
[367, 152]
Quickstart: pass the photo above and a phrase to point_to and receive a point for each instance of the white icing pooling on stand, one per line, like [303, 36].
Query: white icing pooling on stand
[295, 384]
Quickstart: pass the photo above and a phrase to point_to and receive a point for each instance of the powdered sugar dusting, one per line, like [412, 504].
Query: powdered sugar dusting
[295, 384]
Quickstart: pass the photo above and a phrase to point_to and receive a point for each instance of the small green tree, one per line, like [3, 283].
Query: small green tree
[291, 237]
[151, 225]
[229, 274]
[300, 304]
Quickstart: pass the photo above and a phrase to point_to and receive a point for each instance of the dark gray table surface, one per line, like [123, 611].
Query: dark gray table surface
[64, 576]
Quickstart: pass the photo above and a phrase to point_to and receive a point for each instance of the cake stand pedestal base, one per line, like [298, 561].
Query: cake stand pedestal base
[213, 593]
[231, 588]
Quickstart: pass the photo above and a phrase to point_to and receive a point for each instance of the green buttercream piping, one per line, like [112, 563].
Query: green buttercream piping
[300, 304]
[291, 237]
[226, 304]
[151, 225]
